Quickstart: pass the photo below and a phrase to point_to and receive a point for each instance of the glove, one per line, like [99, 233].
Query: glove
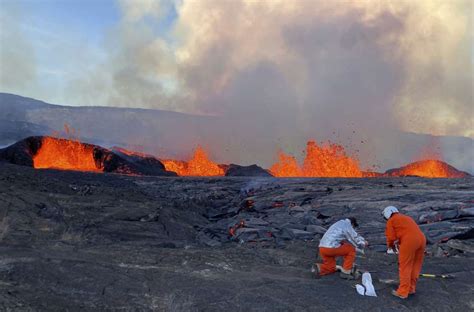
[392, 251]
[364, 245]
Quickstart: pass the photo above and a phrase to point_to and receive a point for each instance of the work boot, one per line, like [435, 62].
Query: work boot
[349, 274]
[316, 270]
[346, 274]
[345, 271]
[396, 294]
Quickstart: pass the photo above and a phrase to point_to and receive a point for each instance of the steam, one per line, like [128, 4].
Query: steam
[17, 62]
[278, 73]
[360, 65]
[374, 64]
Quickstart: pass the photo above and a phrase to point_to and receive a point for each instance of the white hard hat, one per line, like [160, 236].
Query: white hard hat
[388, 211]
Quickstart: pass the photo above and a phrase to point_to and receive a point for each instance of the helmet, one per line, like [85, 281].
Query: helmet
[388, 211]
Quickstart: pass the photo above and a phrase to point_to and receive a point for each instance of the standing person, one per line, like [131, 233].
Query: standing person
[411, 242]
[340, 240]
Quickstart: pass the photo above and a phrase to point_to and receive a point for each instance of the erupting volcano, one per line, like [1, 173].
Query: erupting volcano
[328, 160]
[66, 155]
[198, 165]
[428, 169]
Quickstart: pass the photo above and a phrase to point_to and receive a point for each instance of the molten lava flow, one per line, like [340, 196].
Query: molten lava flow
[65, 154]
[178, 166]
[287, 166]
[321, 161]
[198, 165]
[329, 161]
[429, 169]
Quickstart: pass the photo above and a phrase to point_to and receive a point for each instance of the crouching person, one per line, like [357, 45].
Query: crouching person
[340, 240]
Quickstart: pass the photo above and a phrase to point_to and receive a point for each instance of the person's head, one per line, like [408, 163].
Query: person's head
[353, 222]
[389, 211]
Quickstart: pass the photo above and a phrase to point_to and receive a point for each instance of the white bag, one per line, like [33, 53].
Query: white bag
[360, 289]
[367, 288]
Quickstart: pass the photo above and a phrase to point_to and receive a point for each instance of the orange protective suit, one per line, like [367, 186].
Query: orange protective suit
[412, 243]
[329, 255]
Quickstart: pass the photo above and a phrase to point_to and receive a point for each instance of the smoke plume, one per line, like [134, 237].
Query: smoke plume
[278, 72]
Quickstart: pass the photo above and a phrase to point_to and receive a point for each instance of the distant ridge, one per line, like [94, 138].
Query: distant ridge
[13, 101]
[173, 135]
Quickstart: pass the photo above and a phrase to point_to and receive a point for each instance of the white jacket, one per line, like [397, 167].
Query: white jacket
[341, 231]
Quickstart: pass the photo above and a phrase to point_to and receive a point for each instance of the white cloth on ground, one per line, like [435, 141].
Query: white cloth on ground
[367, 288]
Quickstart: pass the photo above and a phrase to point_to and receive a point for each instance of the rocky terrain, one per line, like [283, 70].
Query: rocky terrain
[100, 241]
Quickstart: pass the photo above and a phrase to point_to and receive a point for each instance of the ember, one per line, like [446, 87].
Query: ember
[66, 155]
[328, 160]
[237, 226]
[198, 165]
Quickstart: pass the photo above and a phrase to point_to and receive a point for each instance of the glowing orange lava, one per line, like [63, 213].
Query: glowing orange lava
[428, 169]
[65, 154]
[198, 165]
[178, 166]
[328, 160]
[287, 166]
[325, 160]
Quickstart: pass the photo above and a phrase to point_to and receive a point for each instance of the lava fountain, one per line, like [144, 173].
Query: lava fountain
[429, 168]
[65, 154]
[328, 160]
[286, 166]
[198, 165]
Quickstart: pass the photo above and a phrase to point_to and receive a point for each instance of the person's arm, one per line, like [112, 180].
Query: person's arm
[353, 237]
[390, 234]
